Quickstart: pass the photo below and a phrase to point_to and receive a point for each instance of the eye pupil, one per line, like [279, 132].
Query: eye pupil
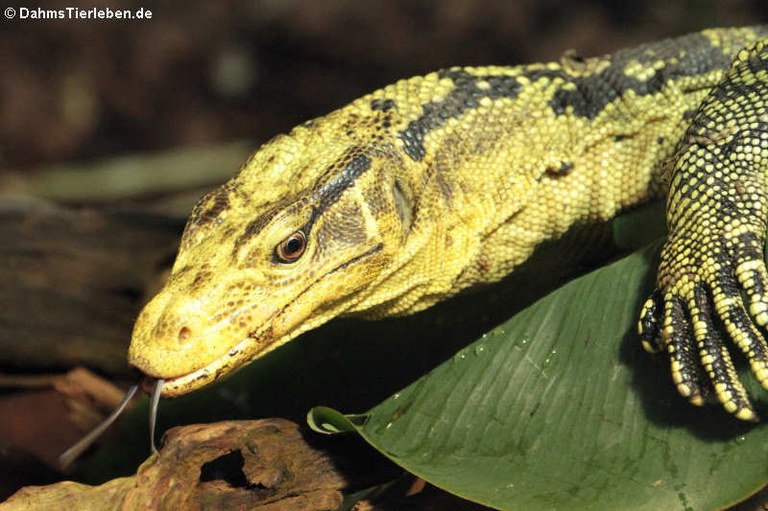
[291, 248]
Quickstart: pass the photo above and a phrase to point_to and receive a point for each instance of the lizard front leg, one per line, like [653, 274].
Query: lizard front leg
[712, 284]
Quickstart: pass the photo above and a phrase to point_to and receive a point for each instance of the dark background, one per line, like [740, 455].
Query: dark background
[202, 72]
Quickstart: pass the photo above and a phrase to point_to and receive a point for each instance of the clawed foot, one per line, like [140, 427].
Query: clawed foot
[707, 296]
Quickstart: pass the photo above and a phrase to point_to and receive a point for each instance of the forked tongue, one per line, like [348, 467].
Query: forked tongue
[74, 452]
[153, 412]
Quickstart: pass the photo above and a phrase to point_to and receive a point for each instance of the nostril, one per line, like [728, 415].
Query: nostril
[184, 334]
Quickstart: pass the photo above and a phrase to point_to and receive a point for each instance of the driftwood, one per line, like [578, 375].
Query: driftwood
[259, 465]
[61, 269]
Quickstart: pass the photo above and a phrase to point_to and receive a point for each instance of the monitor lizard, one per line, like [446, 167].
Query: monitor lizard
[440, 182]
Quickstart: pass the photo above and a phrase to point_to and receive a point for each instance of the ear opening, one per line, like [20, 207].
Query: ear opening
[403, 205]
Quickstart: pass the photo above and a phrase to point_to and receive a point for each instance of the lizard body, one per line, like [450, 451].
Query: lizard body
[419, 190]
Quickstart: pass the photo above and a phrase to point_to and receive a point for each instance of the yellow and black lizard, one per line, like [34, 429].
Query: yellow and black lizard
[444, 181]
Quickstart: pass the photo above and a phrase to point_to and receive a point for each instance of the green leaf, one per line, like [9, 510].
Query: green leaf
[559, 408]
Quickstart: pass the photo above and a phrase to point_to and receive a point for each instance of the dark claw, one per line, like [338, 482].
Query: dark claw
[648, 326]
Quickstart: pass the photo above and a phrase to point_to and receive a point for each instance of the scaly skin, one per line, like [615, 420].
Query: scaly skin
[437, 183]
[717, 211]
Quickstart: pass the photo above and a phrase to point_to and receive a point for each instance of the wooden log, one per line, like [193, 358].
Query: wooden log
[73, 280]
[264, 465]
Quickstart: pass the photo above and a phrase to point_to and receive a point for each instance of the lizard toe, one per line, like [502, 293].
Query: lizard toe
[687, 374]
[715, 358]
[745, 326]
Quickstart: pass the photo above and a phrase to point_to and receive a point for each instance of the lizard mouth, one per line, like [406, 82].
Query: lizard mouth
[180, 385]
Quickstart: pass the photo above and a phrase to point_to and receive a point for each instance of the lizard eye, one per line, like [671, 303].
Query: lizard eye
[290, 249]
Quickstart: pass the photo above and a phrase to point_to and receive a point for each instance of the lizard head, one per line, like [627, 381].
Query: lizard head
[295, 239]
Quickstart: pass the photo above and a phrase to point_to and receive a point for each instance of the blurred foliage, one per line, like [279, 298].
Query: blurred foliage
[202, 72]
